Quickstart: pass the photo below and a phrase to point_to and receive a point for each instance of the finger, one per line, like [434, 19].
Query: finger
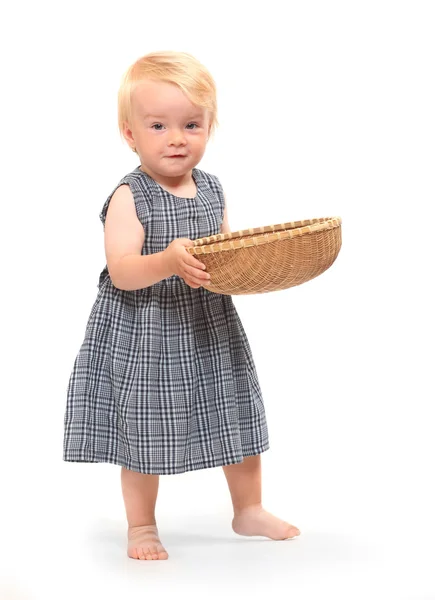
[198, 277]
[185, 242]
[195, 263]
[194, 280]
[194, 273]
[192, 284]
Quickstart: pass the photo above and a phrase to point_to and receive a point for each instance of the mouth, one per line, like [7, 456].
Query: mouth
[177, 156]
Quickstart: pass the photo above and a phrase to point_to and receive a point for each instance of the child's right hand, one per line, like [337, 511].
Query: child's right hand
[184, 264]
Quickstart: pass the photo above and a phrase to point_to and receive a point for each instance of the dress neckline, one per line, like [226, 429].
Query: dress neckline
[195, 176]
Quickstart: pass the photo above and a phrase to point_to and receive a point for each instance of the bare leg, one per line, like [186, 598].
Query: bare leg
[140, 494]
[250, 518]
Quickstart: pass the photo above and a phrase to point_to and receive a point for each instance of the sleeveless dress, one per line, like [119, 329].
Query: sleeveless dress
[164, 381]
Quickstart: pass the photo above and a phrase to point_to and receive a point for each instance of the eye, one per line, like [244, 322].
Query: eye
[158, 124]
[196, 124]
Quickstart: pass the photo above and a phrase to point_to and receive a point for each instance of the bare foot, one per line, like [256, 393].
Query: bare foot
[254, 520]
[144, 543]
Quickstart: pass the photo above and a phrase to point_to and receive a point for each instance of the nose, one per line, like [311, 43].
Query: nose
[177, 138]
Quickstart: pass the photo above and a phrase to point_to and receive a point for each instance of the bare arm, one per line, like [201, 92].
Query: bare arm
[123, 241]
[135, 272]
[225, 228]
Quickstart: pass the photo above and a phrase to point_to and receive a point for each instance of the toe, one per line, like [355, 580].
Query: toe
[292, 531]
[149, 547]
[161, 552]
[149, 551]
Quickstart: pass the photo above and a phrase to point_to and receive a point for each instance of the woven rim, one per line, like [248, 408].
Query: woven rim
[261, 235]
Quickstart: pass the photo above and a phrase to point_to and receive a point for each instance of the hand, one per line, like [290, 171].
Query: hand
[181, 263]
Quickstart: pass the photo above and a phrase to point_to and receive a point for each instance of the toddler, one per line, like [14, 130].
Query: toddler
[164, 381]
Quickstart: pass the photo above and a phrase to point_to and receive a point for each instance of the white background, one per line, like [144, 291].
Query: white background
[326, 108]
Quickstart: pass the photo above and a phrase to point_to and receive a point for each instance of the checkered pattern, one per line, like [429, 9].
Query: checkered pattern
[164, 381]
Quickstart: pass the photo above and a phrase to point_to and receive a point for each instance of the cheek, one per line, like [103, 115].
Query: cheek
[200, 140]
[152, 141]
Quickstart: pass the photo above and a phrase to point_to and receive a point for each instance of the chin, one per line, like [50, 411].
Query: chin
[182, 166]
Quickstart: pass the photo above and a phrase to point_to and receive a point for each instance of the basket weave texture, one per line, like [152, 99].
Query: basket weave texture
[271, 258]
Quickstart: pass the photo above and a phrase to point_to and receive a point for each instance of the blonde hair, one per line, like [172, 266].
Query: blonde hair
[179, 68]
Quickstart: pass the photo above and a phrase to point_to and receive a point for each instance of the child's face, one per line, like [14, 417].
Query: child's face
[166, 123]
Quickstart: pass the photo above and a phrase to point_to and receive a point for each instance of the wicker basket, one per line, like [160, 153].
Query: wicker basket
[271, 258]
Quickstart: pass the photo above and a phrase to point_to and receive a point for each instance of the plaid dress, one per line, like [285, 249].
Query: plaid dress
[164, 381]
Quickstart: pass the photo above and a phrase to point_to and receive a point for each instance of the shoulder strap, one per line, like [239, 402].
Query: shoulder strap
[142, 197]
[215, 186]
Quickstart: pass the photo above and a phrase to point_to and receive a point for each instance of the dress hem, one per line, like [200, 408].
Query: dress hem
[165, 470]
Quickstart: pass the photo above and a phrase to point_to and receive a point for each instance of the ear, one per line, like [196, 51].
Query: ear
[128, 135]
